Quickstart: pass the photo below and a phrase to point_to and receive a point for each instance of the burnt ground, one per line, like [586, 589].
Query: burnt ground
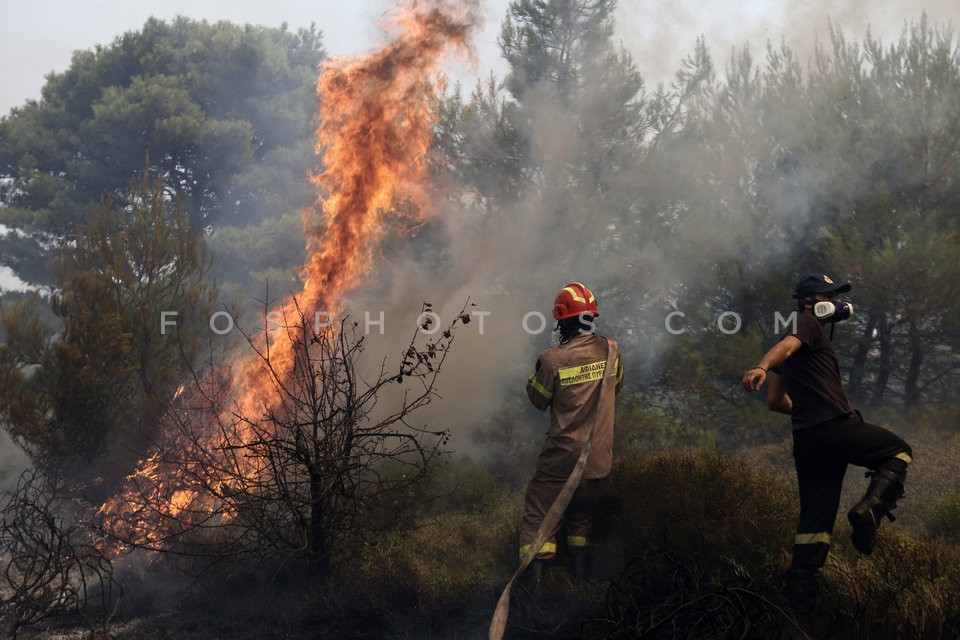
[261, 611]
[238, 610]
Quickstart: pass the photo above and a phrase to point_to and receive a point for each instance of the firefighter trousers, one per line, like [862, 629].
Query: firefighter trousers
[577, 519]
[821, 454]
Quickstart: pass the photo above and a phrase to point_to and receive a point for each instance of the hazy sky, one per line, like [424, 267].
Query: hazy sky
[39, 36]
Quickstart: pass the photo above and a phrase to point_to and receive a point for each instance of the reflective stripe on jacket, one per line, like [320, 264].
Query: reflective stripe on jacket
[567, 378]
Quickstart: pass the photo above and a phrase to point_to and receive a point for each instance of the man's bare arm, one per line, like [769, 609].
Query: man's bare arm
[777, 398]
[754, 378]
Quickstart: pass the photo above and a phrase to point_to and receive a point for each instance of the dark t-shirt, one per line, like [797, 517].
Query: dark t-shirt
[812, 377]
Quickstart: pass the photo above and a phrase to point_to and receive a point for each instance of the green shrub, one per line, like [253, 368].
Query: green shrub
[707, 505]
[462, 545]
[690, 543]
[908, 588]
[643, 428]
[944, 521]
[696, 544]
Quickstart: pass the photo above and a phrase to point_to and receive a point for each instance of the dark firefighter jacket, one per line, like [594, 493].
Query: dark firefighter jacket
[567, 380]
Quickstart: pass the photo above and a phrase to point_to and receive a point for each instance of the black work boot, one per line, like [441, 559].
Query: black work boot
[531, 578]
[886, 487]
[802, 589]
[581, 566]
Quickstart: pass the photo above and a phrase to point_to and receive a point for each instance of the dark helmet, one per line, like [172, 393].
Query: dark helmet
[818, 283]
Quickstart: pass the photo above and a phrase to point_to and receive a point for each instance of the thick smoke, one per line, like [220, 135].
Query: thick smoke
[511, 263]
[12, 462]
[660, 35]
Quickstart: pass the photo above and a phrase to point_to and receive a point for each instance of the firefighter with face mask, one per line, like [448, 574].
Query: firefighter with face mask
[568, 379]
[803, 380]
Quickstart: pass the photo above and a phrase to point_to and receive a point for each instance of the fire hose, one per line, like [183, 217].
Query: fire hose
[498, 623]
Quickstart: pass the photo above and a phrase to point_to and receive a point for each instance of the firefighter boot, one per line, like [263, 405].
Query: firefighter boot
[802, 589]
[531, 578]
[581, 566]
[886, 487]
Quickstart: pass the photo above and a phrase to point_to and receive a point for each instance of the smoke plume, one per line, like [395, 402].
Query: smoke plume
[512, 262]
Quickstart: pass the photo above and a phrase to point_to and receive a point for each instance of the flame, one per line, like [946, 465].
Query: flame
[376, 115]
[376, 120]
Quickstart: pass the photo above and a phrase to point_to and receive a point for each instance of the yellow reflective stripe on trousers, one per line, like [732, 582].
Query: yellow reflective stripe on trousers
[545, 549]
[904, 456]
[821, 537]
[539, 388]
[577, 541]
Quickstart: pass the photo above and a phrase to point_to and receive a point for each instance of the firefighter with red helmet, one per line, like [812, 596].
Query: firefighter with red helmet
[568, 379]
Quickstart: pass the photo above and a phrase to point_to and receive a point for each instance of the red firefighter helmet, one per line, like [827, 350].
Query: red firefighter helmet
[573, 300]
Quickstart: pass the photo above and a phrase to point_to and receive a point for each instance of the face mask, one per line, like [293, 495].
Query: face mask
[832, 311]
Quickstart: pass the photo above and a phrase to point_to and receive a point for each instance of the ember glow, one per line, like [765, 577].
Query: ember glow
[376, 115]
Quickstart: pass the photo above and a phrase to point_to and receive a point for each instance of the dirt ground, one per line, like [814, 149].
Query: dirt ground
[933, 481]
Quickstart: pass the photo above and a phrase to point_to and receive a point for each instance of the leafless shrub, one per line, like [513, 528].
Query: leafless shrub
[326, 458]
[50, 562]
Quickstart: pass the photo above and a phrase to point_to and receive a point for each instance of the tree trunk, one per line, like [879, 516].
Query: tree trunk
[317, 541]
[858, 369]
[911, 386]
[883, 370]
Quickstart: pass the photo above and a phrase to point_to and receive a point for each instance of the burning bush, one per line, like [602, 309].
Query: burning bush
[303, 475]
